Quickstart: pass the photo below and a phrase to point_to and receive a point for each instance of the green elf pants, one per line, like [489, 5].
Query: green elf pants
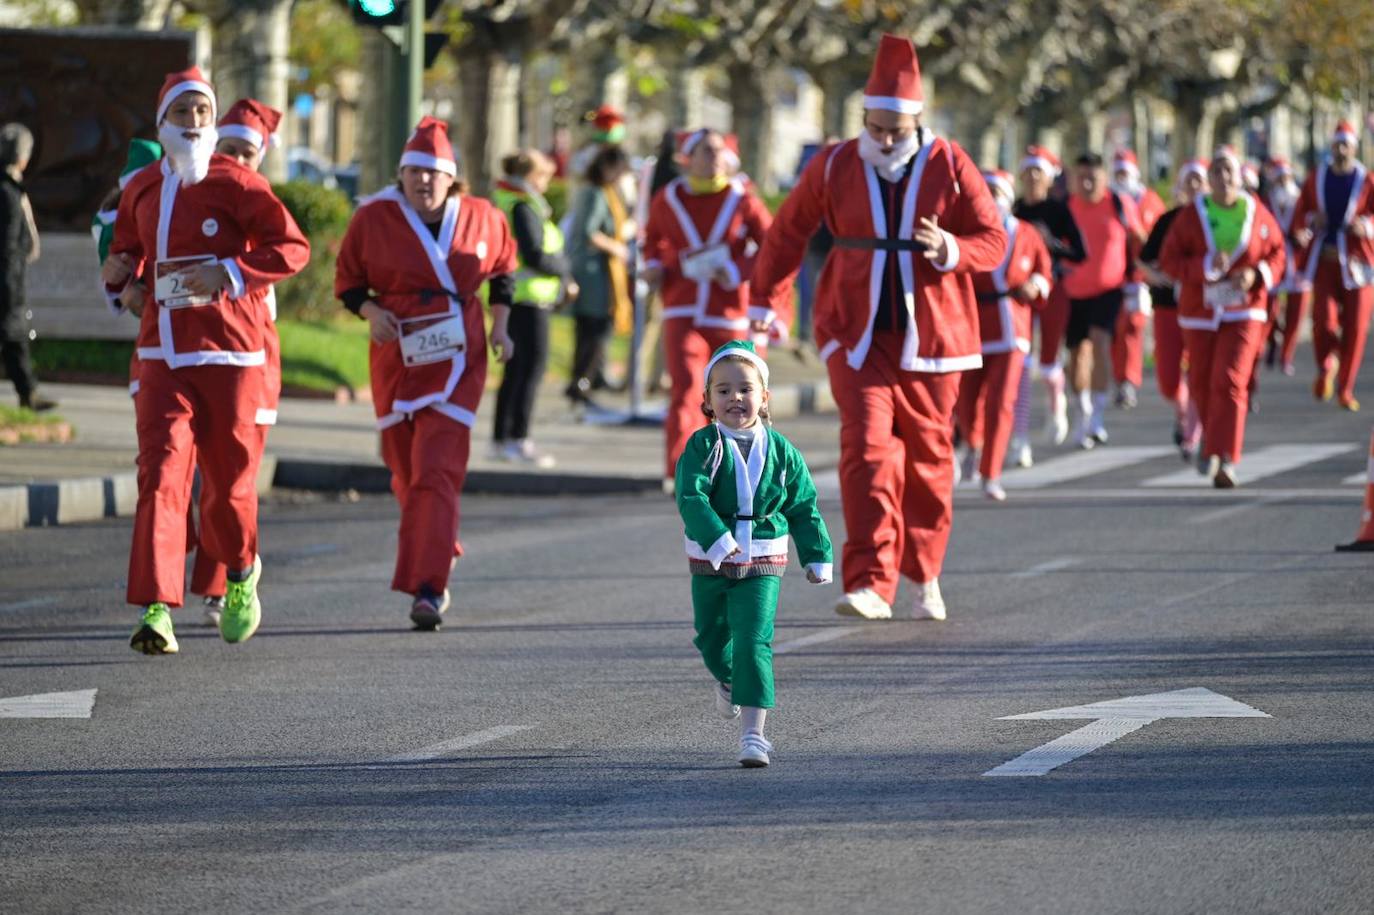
[734, 623]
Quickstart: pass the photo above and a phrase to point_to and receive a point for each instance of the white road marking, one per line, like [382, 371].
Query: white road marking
[1219, 514]
[1266, 462]
[1080, 464]
[1043, 568]
[28, 604]
[77, 704]
[1113, 720]
[477, 738]
[816, 638]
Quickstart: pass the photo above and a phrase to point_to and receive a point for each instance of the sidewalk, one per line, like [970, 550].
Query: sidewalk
[318, 444]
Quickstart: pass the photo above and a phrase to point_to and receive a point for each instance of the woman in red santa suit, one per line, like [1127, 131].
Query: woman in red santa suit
[1006, 295]
[412, 262]
[206, 239]
[1225, 252]
[1128, 346]
[704, 230]
[896, 322]
[1333, 230]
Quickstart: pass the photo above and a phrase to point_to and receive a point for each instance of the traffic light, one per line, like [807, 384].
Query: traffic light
[379, 13]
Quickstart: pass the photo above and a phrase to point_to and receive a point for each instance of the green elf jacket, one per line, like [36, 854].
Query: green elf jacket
[727, 500]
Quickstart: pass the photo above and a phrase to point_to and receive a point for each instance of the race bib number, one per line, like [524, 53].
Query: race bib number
[1220, 296]
[170, 284]
[699, 264]
[431, 338]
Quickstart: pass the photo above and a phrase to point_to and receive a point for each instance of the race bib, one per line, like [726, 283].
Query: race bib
[699, 264]
[170, 284]
[1220, 296]
[432, 338]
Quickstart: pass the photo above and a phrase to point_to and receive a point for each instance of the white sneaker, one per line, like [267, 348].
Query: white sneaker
[1225, 477]
[994, 491]
[213, 608]
[753, 750]
[1099, 431]
[524, 452]
[1021, 453]
[724, 707]
[1057, 424]
[864, 603]
[968, 470]
[1084, 440]
[929, 604]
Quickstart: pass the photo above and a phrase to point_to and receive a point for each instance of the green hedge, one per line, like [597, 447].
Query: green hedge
[323, 216]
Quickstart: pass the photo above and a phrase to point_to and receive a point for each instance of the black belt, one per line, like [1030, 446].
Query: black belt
[881, 244]
[753, 517]
[990, 296]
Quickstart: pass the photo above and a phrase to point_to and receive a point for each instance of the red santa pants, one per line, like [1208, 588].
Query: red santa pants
[1220, 363]
[1340, 323]
[1294, 310]
[987, 404]
[1054, 321]
[428, 458]
[896, 467]
[1128, 348]
[1169, 358]
[204, 413]
[686, 350]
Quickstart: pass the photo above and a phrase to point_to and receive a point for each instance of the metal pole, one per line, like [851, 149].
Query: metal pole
[415, 61]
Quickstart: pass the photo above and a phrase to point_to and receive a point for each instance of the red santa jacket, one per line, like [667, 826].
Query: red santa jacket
[1149, 207]
[681, 222]
[1004, 315]
[232, 217]
[839, 187]
[1356, 254]
[1205, 300]
[390, 251]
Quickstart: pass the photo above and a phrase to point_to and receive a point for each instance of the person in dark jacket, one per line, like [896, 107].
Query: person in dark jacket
[18, 249]
[539, 284]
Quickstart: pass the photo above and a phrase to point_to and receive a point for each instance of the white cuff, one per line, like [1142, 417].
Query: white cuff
[721, 548]
[762, 313]
[1041, 284]
[733, 269]
[951, 253]
[1208, 273]
[236, 284]
[824, 572]
[1265, 274]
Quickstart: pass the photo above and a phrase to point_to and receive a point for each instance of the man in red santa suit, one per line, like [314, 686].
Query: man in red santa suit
[1225, 252]
[1006, 295]
[896, 321]
[1282, 198]
[1128, 346]
[412, 263]
[704, 231]
[1333, 230]
[213, 238]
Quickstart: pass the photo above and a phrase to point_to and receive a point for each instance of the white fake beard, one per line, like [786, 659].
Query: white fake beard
[1284, 195]
[190, 158]
[890, 165]
[1131, 188]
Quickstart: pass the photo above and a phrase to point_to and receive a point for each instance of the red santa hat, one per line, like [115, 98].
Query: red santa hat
[1041, 158]
[429, 147]
[1279, 165]
[1193, 167]
[1345, 133]
[1250, 175]
[181, 82]
[1227, 151]
[1000, 181]
[251, 120]
[1125, 161]
[688, 140]
[895, 81]
[608, 124]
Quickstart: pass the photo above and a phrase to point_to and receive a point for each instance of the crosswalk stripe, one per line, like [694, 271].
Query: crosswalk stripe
[1266, 462]
[1082, 464]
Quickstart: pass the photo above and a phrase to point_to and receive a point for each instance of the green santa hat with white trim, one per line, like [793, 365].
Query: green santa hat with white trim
[741, 349]
[141, 152]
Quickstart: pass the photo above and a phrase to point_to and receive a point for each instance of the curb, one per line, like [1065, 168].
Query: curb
[49, 503]
[335, 476]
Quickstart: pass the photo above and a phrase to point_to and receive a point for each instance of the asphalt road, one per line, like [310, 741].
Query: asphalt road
[554, 747]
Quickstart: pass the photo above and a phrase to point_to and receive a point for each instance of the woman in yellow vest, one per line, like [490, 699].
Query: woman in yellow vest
[538, 285]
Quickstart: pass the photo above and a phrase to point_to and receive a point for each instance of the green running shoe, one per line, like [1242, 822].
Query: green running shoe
[242, 612]
[154, 633]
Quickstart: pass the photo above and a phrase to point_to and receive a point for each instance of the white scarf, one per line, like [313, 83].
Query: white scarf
[890, 165]
[190, 157]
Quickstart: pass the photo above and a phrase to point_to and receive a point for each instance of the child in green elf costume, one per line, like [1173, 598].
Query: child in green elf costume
[741, 489]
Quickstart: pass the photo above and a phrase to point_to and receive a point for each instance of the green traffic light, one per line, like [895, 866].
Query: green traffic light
[377, 7]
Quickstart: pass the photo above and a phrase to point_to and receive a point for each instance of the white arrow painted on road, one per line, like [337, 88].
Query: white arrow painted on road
[77, 704]
[1115, 719]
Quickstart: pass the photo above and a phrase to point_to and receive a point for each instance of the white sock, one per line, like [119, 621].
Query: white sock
[751, 720]
[1099, 402]
[1085, 403]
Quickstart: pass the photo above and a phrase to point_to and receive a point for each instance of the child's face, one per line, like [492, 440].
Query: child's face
[735, 394]
[237, 148]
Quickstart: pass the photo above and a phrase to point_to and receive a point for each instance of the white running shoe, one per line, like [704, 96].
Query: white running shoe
[1083, 440]
[753, 750]
[1021, 453]
[1099, 430]
[1225, 477]
[864, 603]
[994, 491]
[968, 470]
[524, 452]
[1057, 423]
[930, 605]
[724, 707]
[213, 608]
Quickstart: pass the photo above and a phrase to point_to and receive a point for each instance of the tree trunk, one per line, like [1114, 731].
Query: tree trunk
[749, 118]
[476, 74]
[380, 134]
